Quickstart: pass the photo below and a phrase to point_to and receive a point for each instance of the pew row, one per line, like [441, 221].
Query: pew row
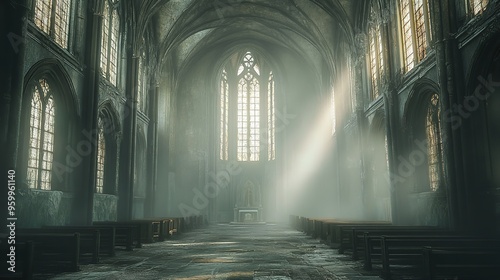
[89, 240]
[53, 252]
[23, 268]
[405, 252]
[461, 262]
[107, 235]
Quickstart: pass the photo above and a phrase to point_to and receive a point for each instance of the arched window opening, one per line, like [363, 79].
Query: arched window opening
[141, 82]
[376, 51]
[416, 31]
[52, 17]
[41, 142]
[101, 156]
[224, 119]
[109, 43]
[248, 110]
[434, 142]
[271, 119]
[253, 96]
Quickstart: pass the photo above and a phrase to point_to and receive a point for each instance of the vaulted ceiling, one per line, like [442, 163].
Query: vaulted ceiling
[188, 28]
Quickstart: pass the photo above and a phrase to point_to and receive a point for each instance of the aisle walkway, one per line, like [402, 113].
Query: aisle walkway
[223, 251]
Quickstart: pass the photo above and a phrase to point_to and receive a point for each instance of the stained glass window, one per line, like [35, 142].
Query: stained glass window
[109, 43]
[434, 142]
[141, 85]
[376, 50]
[101, 156]
[248, 110]
[478, 6]
[416, 32]
[41, 142]
[254, 96]
[52, 17]
[224, 111]
[271, 120]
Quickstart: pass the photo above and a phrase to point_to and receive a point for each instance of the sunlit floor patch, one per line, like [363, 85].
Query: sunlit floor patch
[217, 260]
[272, 278]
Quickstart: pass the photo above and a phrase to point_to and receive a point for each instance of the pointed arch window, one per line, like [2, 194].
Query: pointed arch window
[416, 31]
[41, 141]
[101, 156]
[434, 142]
[109, 42]
[376, 51]
[52, 17]
[249, 96]
[248, 110]
[141, 82]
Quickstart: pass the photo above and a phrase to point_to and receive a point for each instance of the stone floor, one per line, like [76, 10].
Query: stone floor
[223, 251]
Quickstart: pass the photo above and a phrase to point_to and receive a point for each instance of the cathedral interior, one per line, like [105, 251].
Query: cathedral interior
[239, 115]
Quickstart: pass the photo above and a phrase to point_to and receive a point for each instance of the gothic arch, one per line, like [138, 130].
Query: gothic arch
[418, 97]
[52, 69]
[417, 125]
[481, 96]
[65, 123]
[112, 136]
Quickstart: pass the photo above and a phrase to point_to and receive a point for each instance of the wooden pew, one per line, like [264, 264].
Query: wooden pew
[127, 233]
[355, 235]
[407, 250]
[23, 260]
[461, 262]
[89, 240]
[151, 229]
[373, 243]
[54, 252]
[333, 229]
[107, 236]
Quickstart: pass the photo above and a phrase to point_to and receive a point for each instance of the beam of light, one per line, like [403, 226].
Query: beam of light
[309, 155]
[315, 150]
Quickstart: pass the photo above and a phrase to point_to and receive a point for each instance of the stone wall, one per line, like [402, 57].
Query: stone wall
[35, 208]
[105, 207]
[429, 209]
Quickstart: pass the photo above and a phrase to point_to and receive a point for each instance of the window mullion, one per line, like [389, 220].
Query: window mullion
[249, 134]
[41, 142]
[110, 29]
[377, 60]
[52, 28]
[414, 44]
[427, 20]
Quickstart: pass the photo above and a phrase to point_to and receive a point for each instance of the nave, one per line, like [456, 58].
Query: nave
[225, 251]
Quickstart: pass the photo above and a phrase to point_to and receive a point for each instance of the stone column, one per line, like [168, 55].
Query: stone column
[153, 151]
[129, 145]
[448, 67]
[14, 17]
[83, 205]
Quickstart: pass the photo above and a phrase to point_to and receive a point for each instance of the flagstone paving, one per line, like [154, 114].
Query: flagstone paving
[224, 251]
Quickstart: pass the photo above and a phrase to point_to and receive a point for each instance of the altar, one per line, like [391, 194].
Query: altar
[248, 207]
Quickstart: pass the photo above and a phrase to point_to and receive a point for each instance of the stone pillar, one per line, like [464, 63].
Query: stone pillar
[153, 152]
[448, 67]
[14, 17]
[128, 151]
[83, 205]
